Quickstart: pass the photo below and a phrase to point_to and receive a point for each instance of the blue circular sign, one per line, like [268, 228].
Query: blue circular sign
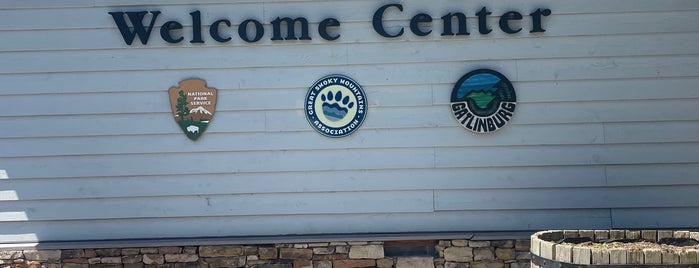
[335, 106]
[483, 101]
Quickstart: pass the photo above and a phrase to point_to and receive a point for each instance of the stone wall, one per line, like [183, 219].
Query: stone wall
[448, 254]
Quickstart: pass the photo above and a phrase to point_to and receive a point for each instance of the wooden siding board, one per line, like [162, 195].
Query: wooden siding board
[664, 218]
[607, 68]
[527, 91]
[567, 155]
[563, 7]
[219, 205]
[306, 140]
[321, 56]
[336, 159]
[232, 100]
[120, 124]
[544, 113]
[653, 174]
[304, 224]
[522, 49]
[574, 198]
[289, 112]
[307, 181]
[217, 162]
[599, 88]
[650, 132]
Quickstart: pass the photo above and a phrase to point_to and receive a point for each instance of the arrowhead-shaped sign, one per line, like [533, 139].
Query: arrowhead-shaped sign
[193, 106]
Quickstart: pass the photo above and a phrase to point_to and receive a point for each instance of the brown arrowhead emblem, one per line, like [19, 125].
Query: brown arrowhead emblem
[193, 106]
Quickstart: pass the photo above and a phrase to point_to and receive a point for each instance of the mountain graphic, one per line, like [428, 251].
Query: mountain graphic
[199, 109]
[482, 98]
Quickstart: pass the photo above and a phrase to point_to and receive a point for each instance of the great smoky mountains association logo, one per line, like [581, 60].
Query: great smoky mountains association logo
[483, 101]
[335, 106]
[193, 106]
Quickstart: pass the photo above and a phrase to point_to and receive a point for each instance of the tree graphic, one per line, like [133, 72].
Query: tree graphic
[182, 109]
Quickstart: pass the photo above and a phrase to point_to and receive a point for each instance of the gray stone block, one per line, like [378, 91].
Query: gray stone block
[326, 264]
[634, 257]
[564, 253]
[42, 255]
[582, 255]
[600, 256]
[220, 251]
[181, 257]
[503, 243]
[458, 254]
[415, 262]
[633, 234]
[505, 254]
[11, 254]
[478, 244]
[458, 243]
[481, 254]
[571, 234]
[382, 263]
[617, 234]
[601, 235]
[456, 265]
[681, 234]
[617, 256]
[535, 246]
[652, 256]
[547, 250]
[523, 245]
[671, 258]
[649, 235]
[366, 252]
[689, 256]
[665, 234]
[587, 233]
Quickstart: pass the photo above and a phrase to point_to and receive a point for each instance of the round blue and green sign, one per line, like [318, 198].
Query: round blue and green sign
[483, 101]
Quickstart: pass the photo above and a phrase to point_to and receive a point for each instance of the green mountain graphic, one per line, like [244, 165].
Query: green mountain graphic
[481, 98]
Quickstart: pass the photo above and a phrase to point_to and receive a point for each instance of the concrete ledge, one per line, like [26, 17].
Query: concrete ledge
[524, 235]
[129, 243]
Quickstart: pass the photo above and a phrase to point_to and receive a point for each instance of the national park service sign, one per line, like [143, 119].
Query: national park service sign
[483, 101]
[193, 106]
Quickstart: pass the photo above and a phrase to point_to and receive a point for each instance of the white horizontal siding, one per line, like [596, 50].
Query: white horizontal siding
[305, 224]
[605, 131]
[221, 205]
[576, 198]
[306, 140]
[307, 181]
[316, 57]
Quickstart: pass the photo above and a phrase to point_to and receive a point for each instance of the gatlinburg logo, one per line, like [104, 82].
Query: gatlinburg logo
[193, 106]
[483, 101]
[335, 106]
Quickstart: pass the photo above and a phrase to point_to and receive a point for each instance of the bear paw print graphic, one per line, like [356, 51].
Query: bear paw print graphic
[335, 106]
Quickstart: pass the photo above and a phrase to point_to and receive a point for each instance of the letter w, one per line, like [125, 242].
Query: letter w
[136, 19]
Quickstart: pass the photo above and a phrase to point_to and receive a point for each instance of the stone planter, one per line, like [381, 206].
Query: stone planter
[563, 248]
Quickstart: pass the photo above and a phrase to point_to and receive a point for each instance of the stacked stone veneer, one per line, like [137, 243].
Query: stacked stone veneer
[546, 245]
[451, 254]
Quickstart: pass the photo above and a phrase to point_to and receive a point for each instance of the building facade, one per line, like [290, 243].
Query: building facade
[605, 133]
